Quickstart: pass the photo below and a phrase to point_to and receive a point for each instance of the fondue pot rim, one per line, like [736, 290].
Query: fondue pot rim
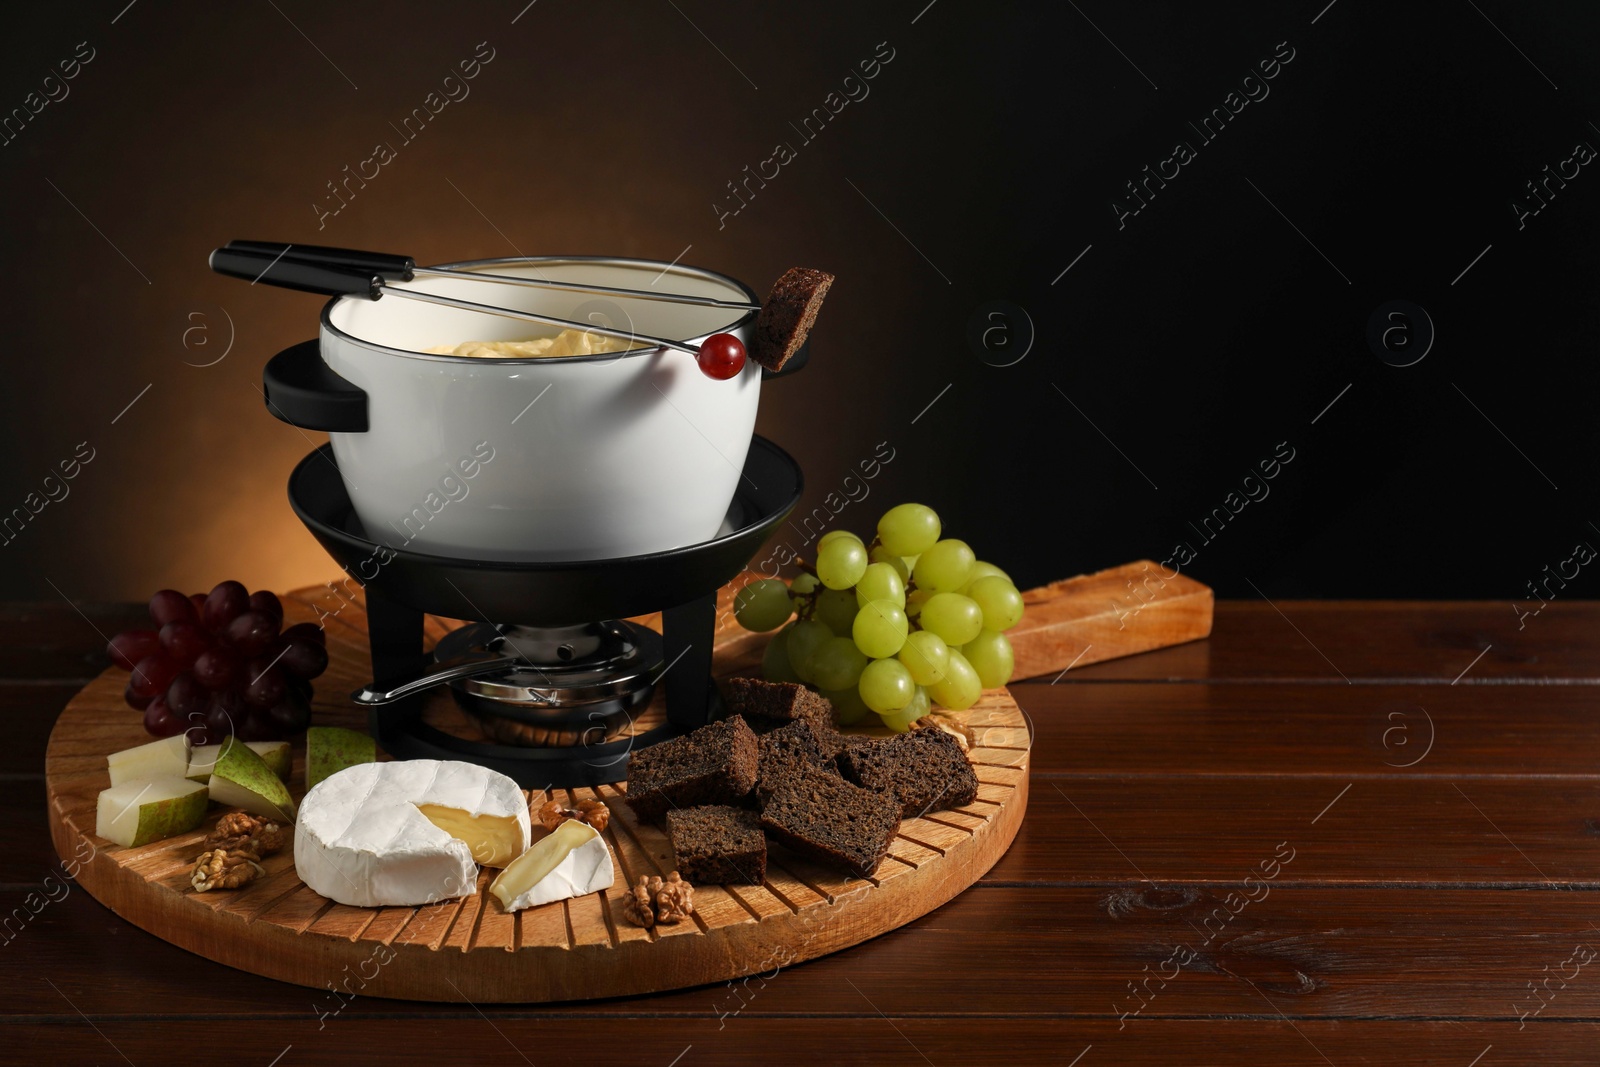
[604, 357]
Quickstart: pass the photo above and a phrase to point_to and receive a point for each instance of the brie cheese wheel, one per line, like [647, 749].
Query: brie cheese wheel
[385, 834]
[571, 861]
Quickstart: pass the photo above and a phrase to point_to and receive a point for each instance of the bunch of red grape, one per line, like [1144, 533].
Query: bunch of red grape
[219, 665]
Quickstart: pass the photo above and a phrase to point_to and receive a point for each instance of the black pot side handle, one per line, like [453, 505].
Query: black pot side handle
[795, 364]
[305, 392]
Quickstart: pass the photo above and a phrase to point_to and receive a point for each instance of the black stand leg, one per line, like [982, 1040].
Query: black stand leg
[395, 631]
[686, 633]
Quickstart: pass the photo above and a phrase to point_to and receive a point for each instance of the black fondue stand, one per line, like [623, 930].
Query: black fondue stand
[402, 586]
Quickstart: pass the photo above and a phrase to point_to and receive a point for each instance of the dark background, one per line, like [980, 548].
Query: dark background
[1173, 357]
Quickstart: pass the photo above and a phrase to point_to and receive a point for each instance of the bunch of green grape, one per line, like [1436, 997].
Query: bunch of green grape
[892, 627]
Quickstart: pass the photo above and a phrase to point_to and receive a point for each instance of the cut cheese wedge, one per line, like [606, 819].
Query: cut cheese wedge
[362, 837]
[569, 862]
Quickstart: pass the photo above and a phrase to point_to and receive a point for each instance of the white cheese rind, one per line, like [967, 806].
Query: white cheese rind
[360, 840]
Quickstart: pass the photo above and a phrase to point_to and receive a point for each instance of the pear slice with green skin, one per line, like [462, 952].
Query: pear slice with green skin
[242, 779]
[330, 749]
[277, 754]
[166, 758]
[142, 810]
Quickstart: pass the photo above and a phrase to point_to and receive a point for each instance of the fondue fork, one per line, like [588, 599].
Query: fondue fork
[720, 356]
[394, 267]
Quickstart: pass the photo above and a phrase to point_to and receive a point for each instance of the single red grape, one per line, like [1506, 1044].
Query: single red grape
[267, 603]
[257, 725]
[225, 603]
[721, 356]
[290, 717]
[169, 605]
[131, 646]
[227, 711]
[264, 684]
[134, 700]
[184, 641]
[186, 695]
[252, 633]
[217, 668]
[304, 659]
[152, 675]
[308, 631]
[159, 720]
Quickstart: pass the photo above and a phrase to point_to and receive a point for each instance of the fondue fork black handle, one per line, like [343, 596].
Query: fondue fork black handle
[398, 268]
[390, 267]
[303, 275]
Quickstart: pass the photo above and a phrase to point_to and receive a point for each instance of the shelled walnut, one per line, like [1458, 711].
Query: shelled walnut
[222, 868]
[242, 830]
[674, 899]
[655, 900]
[593, 812]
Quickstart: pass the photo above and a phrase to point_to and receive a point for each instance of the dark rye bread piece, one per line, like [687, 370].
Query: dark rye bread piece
[924, 770]
[769, 706]
[718, 845]
[783, 752]
[786, 318]
[715, 764]
[830, 820]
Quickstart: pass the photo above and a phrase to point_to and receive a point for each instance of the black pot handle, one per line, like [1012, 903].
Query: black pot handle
[305, 392]
[793, 365]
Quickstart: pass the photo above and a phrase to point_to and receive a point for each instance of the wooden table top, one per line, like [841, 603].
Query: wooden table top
[1335, 833]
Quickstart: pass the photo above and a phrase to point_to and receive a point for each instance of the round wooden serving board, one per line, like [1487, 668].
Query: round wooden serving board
[471, 950]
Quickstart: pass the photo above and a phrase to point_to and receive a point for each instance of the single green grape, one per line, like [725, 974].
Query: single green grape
[805, 637]
[803, 584]
[999, 601]
[835, 535]
[763, 605]
[900, 721]
[886, 685]
[925, 655]
[879, 554]
[991, 656]
[907, 529]
[953, 617]
[960, 688]
[836, 609]
[775, 666]
[980, 569]
[944, 567]
[880, 581]
[837, 664]
[880, 629]
[841, 562]
[848, 707]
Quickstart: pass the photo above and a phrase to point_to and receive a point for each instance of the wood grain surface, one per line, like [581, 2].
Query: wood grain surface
[1423, 902]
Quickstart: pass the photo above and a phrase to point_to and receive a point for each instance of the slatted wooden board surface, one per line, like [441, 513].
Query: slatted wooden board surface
[471, 950]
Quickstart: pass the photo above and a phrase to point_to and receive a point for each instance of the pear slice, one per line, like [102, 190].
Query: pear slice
[330, 749]
[277, 754]
[142, 810]
[166, 758]
[242, 779]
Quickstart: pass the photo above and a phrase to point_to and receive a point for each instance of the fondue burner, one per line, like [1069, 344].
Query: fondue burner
[553, 692]
[565, 685]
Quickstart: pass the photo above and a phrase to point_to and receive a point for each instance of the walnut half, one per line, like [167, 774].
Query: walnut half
[242, 830]
[593, 812]
[224, 869]
[655, 900]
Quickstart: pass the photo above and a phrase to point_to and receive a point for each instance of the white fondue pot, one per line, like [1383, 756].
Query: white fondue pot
[530, 459]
